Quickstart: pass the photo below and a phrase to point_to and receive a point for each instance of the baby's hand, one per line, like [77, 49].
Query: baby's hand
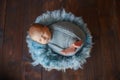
[69, 50]
[72, 48]
[77, 44]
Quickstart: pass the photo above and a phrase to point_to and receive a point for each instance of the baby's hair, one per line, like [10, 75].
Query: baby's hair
[35, 28]
[37, 25]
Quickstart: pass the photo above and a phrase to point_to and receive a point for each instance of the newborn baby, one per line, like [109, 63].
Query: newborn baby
[57, 37]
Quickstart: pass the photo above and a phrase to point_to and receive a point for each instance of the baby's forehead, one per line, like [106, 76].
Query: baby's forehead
[36, 29]
[40, 33]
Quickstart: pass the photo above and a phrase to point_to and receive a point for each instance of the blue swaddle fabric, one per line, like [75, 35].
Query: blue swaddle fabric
[64, 34]
[49, 58]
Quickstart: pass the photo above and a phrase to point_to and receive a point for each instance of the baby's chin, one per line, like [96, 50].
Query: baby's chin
[43, 43]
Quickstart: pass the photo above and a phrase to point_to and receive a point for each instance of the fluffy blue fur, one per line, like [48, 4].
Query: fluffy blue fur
[43, 55]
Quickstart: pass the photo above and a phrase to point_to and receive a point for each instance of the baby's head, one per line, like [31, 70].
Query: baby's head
[39, 33]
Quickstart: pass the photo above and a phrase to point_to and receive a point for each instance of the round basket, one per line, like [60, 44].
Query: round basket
[43, 55]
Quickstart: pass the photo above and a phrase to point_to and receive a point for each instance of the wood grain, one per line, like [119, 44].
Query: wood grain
[2, 23]
[102, 18]
[12, 49]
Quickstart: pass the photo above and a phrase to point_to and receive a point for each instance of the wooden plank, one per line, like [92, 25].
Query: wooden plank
[2, 23]
[110, 42]
[104, 7]
[12, 49]
[115, 21]
[117, 12]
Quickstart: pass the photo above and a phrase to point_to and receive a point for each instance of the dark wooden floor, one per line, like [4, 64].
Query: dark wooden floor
[102, 17]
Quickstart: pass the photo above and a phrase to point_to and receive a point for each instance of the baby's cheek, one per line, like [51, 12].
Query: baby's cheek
[35, 38]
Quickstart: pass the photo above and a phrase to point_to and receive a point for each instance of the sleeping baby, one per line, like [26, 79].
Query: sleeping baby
[64, 38]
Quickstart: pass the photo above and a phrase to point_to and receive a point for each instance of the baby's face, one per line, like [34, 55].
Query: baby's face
[42, 39]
